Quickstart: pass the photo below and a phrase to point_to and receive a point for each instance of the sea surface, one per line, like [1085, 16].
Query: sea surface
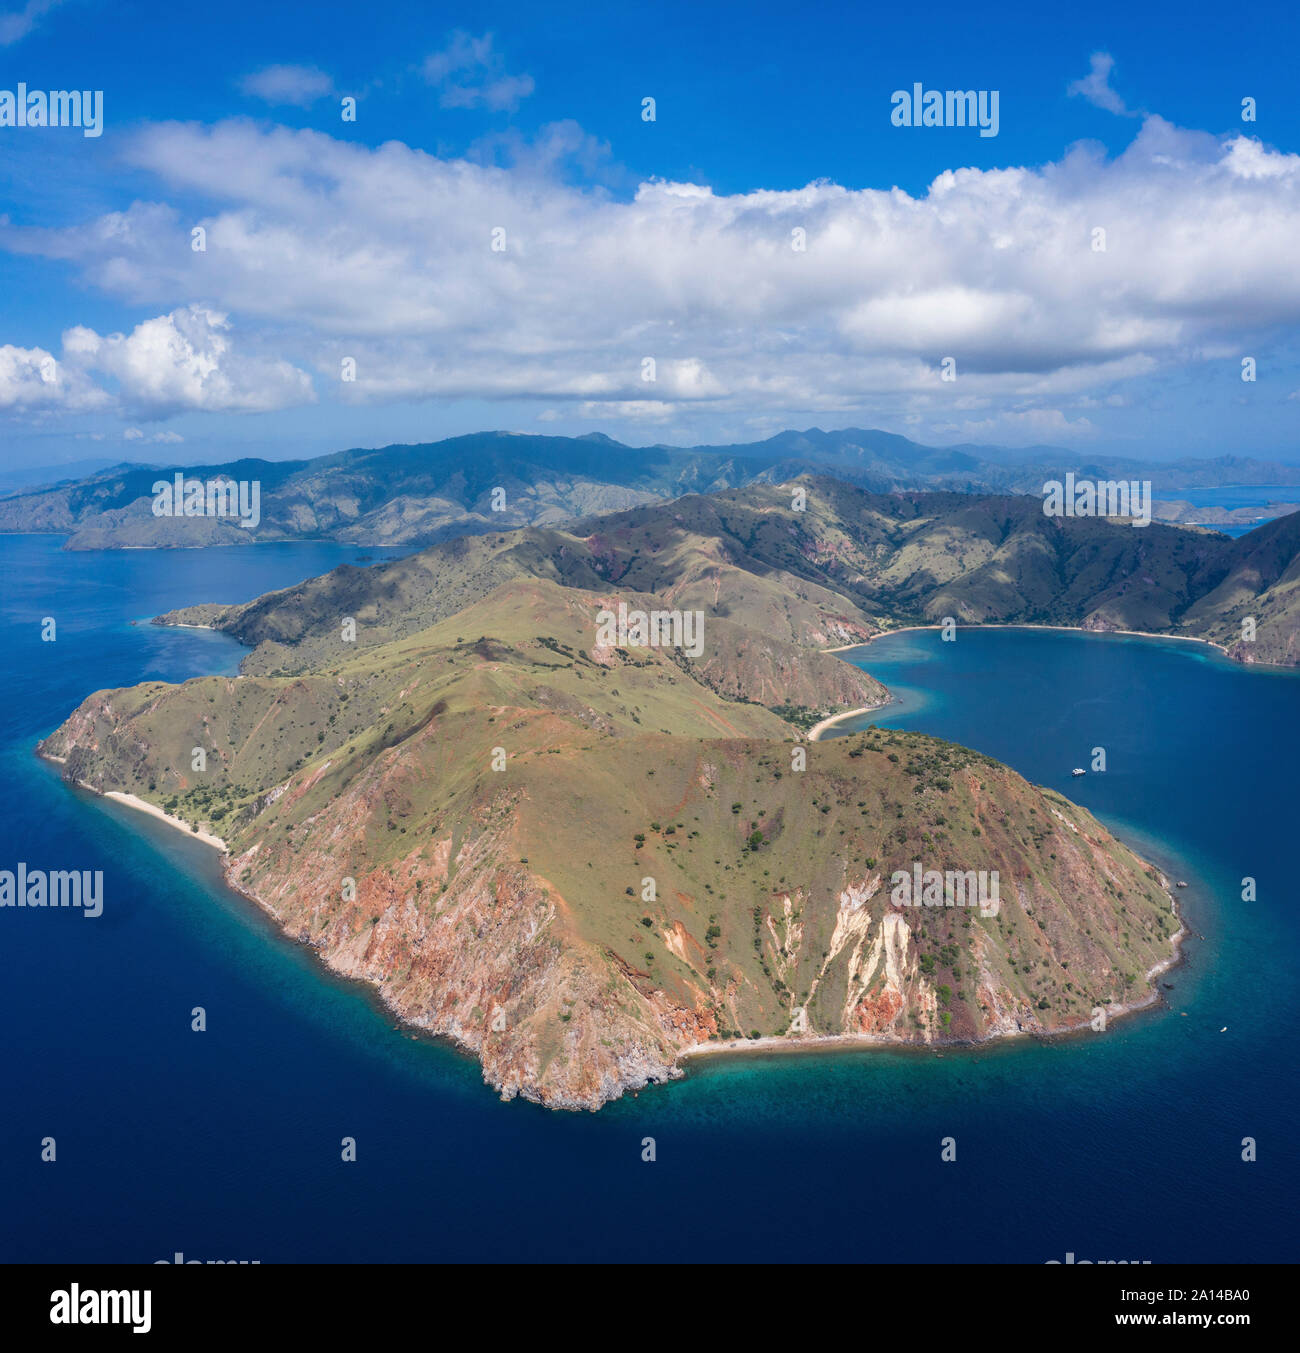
[227, 1144]
[1233, 496]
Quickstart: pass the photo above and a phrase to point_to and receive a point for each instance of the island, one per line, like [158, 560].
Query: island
[586, 861]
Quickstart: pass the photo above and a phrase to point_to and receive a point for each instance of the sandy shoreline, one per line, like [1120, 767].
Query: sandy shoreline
[132, 801]
[830, 721]
[805, 1043]
[780, 1045]
[1064, 629]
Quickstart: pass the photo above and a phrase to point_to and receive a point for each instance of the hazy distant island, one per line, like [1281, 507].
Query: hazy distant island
[417, 495]
[585, 857]
[1190, 514]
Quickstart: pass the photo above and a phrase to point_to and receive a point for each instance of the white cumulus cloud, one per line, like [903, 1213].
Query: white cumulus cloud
[185, 361]
[445, 278]
[32, 380]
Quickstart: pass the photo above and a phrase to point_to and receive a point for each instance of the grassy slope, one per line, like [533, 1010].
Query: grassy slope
[1262, 582]
[521, 891]
[527, 646]
[848, 565]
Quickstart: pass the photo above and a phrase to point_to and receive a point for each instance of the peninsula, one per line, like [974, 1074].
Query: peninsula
[585, 862]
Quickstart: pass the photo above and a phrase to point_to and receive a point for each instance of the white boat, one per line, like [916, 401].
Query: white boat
[1078, 770]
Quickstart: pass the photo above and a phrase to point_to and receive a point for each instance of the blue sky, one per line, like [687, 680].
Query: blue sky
[627, 241]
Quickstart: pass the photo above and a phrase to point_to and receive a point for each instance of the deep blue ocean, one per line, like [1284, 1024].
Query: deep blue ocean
[226, 1144]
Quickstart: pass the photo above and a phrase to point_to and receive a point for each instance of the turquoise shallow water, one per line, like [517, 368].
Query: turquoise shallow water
[226, 1144]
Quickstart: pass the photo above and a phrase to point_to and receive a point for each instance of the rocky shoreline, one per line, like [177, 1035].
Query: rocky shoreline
[640, 1066]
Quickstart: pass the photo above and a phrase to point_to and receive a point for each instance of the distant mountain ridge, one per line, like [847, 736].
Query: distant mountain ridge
[417, 495]
[848, 566]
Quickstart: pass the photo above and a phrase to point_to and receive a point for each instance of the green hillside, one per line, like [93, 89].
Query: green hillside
[848, 565]
[582, 861]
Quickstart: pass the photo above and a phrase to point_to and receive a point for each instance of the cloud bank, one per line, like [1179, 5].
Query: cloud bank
[442, 278]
